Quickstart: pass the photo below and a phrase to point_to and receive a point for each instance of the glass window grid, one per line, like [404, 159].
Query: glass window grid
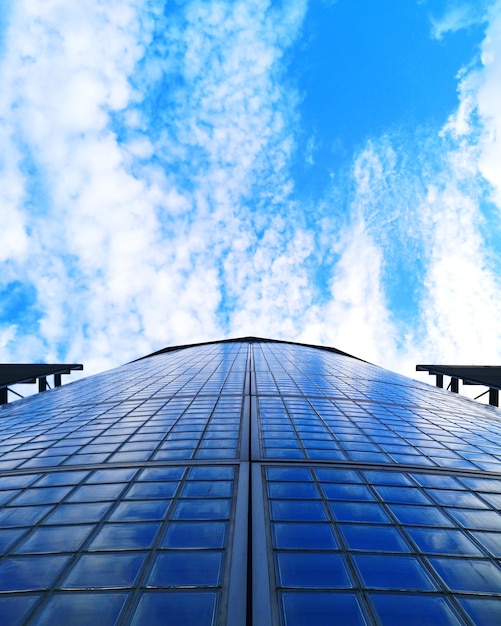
[404, 418]
[403, 443]
[426, 561]
[134, 578]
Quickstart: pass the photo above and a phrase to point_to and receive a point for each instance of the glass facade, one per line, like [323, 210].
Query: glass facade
[250, 482]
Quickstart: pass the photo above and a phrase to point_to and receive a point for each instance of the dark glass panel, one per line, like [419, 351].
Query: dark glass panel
[78, 513]
[14, 610]
[492, 541]
[186, 569]
[144, 490]
[140, 510]
[162, 473]
[374, 538]
[393, 572]
[420, 515]
[55, 539]
[183, 608]
[95, 493]
[358, 512]
[297, 511]
[481, 520]
[318, 609]
[312, 570]
[81, 609]
[30, 572]
[443, 541]
[202, 509]
[469, 574]
[207, 489]
[22, 516]
[411, 610]
[9, 536]
[409, 495]
[128, 536]
[293, 490]
[338, 491]
[195, 535]
[304, 536]
[104, 570]
[483, 611]
[338, 476]
[211, 473]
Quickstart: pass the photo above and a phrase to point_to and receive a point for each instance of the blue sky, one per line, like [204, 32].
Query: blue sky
[175, 172]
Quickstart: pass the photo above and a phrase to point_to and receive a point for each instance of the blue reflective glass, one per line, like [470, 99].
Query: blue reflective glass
[45, 495]
[104, 570]
[483, 484]
[448, 497]
[5, 496]
[186, 569]
[111, 475]
[420, 515]
[443, 541]
[481, 520]
[140, 491]
[78, 513]
[22, 516]
[8, 537]
[140, 510]
[312, 570]
[393, 572]
[410, 495]
[195, 535]
[14, 610]
[358, 512]
[95, 493]
[211, 473]
[30, 572]
[128, 536]
[297, 511]
[304, 536]
[492, 541]
[374, 538]
[293, 490]
[318, 609]
[338, 476]
[162, 473]
[437, 481]
[81, 609]
[483, 611]
[207, 489]
[202, 509]
[413, 610]
[387, 478]
[469, 574]
[337, 491]
[61, 478]
[55, 539]
[183, 608]
[285, 453]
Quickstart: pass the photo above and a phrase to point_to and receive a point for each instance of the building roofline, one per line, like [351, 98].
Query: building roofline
[249, 339]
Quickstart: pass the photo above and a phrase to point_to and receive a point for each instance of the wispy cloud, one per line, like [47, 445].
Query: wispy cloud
[459, 14]
[148, 196]
[133, 142]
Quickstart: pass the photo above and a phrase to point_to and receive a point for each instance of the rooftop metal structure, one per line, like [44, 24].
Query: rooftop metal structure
[485, 375]
[30, 373]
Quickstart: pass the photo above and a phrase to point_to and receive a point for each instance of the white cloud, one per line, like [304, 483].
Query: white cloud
[146, 175]
[459, 15]
[125, 226]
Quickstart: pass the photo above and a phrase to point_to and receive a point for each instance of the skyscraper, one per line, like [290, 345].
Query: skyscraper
[250, 482]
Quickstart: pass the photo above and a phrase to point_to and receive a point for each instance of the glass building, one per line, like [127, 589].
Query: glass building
[250, 482]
